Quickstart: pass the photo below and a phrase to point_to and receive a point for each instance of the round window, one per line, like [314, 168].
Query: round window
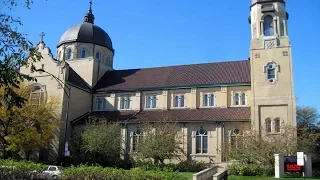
[236, 131]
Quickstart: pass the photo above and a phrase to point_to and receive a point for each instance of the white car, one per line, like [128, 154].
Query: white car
[52, 172]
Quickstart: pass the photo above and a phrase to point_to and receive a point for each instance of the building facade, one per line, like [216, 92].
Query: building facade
[212, 102]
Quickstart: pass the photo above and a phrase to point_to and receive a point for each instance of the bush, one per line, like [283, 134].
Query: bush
[100, 173]
[191, 166]
[10, 169]
[243, 169]
[183, 166]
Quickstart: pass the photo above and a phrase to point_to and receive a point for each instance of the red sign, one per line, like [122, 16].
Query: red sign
[290, 164]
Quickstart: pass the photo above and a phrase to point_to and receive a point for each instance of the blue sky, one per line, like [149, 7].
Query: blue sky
[165, 32]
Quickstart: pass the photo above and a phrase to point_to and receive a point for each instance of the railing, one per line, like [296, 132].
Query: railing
[205, 174]
[221, 174]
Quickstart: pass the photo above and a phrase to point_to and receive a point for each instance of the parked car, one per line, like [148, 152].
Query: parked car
[52, 172]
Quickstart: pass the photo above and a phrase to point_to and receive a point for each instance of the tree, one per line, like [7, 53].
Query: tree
[101, 141]
[256, 149]
[309, 125]
[307, 117]
[160, 140]
[15, 51]
[28, 128]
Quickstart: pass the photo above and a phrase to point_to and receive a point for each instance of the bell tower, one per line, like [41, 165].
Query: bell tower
[273, 99]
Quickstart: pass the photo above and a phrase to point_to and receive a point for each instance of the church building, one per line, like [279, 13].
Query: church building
[211, 102]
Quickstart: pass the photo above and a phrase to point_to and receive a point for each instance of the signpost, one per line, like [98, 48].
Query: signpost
[301, 163]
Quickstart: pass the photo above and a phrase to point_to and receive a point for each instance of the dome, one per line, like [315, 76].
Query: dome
[86, 33]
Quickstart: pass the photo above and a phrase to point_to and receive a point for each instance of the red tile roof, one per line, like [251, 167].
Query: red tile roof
[176, 76]
[179, 115]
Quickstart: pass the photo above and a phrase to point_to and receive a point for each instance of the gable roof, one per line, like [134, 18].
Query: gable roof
[219, 73]
[177, 115]
[75, 79]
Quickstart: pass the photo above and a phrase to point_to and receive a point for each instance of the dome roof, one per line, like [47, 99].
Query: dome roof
[86, 33]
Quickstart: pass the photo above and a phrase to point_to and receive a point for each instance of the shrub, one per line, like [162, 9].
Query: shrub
[100, 173]
[243, 169]
[183, 166]
[190, 166]
[10, 169]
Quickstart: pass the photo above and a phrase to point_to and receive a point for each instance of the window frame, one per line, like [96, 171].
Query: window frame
[97, 55]
[268, 126]
[274, 66]
[270, 26]
[151, 101]
[125, 102]
[69, 54]
[277, 125]
[207, 100]
[136, 138]
[179, 100]
[238, 98]
[40, 92]
[81, 53]
[203, 137]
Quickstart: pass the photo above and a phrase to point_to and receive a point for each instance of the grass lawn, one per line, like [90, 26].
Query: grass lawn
[264, 178]
[186, 175]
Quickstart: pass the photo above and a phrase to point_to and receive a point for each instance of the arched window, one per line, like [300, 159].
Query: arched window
[98, 55]
[236, 99]
[243, 99]
[37, 95]
[271, 70]
[122, 102]
[128, 100]
[136, 139]
[212, 100]
[268, 125]
[83, 53]
[154, 102]
[182, 101]
[148, 102]
[277, 125]
[176, 101]
[205, 100]
[268, 29]
[151, 101]
[69, 54]
[202, 141]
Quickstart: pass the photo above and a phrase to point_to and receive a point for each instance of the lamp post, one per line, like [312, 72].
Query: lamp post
[67, 92]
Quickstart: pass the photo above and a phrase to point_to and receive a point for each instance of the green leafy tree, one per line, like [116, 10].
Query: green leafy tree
[101, 141]
[28, 128]
[160, 141]
[15, 51]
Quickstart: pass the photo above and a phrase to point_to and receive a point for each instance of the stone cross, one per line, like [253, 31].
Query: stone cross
[41, 36]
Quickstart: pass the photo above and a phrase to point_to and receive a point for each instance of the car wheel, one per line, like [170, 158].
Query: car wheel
[55, 177]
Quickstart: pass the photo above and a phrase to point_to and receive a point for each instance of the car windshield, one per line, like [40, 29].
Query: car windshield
[52, 168]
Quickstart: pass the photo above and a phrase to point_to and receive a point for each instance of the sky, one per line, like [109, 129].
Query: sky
[153, 33]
